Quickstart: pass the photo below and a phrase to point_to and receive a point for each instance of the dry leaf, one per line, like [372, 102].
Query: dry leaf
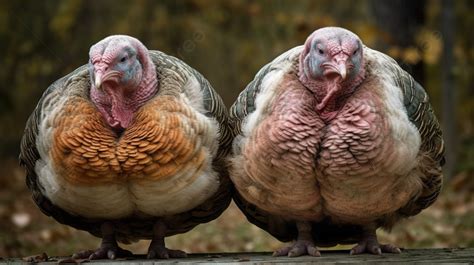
[36, 258]
[21, 220]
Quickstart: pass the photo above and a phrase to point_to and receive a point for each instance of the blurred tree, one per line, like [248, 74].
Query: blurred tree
[448, 86]
[400, 21]
[227, 41]
[463, 73]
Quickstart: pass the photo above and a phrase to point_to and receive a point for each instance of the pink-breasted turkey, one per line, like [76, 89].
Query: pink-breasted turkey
[332, 141]
[130, 146]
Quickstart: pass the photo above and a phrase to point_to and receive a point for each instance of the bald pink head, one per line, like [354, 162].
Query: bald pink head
[331, 65]
[123, 78]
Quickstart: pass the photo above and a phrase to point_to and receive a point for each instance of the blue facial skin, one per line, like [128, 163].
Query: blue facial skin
[318, 56]
[356, 59]
[128, 65]
[91, 71]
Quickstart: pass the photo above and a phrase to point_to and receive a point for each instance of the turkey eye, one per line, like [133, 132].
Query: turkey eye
[123, 59]
[355, 52]
[320, 51]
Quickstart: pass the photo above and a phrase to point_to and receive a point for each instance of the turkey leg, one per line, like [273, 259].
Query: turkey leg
[108, 249]
[370, 244]
[157, 247]
[303, 245]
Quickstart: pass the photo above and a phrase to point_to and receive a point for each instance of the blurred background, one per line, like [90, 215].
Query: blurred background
[228, 42]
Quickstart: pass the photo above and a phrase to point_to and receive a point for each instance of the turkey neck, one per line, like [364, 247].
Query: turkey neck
[328, 97]
[124, 102]
[331, 94]
[118, 104]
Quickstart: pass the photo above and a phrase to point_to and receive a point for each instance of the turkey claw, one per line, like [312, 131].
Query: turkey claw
[373, 247]
[162, 252]
[103, 253]
[299, 248]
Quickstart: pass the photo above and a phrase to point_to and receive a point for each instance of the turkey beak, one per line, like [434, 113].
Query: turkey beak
[337, 66]
[98, 80]
[341, 65]
[341, 68]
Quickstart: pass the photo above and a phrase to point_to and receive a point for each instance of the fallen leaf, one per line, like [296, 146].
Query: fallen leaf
[36, 258]
[21, 219]
[71, 260]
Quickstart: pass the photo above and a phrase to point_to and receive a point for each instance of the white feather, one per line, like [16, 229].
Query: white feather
[124, 199]
[404, 133]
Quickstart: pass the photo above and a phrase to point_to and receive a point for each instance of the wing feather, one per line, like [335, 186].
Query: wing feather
[245, 103]
[421, 114]
[129, 229]
[169, 67]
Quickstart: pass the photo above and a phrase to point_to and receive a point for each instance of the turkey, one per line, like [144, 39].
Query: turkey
[333, 140]
[130, 146]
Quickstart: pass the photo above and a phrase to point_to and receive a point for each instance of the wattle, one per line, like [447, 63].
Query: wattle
[121, 115]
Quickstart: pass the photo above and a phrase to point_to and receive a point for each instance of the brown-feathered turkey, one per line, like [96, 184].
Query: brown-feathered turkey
[130, 146]
[334, 140]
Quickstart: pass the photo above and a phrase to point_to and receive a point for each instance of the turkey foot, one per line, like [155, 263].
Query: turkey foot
[300, 247]
[370, 244]
[303, 245]
[157, 247]
[108, 249]
[105, 251]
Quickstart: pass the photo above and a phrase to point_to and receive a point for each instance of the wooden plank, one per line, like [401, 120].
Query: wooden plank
[408, 256]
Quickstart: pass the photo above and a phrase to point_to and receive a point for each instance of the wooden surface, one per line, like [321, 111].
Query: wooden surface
[426, 256]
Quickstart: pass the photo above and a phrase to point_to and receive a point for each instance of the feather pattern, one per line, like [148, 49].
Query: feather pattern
[421, 114]
[177, 73]
[245, 103]
[381, 71]
[176, 81]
